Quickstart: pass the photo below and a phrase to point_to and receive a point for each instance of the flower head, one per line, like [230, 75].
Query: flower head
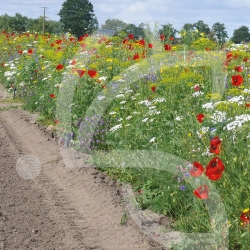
[197, 169]
[215, 169]
[245, 216]
[52, 96]
[59, 67]
[92, 73]
[237, 80]
[215, 145]
[201, 192]
[200, 117]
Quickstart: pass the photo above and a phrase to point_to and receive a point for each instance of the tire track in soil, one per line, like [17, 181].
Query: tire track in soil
[64, 207]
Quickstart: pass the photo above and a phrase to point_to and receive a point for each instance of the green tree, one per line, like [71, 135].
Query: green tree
[114, 24]
[168, 31]
[77, 16]
[220, 33]
[136, 31]
[16, 23]
[202, 27]
[241, 35]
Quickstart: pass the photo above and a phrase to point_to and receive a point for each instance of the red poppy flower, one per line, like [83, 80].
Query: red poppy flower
[92, 73]
[245, 59]
[200, 117]
[201, 192]
[245, 216]
[247, 105]
[80, 72]
[52, 44]
[153, 88]
[162, 37]
[81, 38]
[171, 38]
[197, 169]
[2, 64]
[197, 88]
[136, 56]
[215, 145]
[142, 43]
[237, 80]
[167, 47]
[56, 121]
[59, 67]
[72, 39]
[225, 63]
[215, 169]
[131, 36]
[125, 40]
[150, 45]
[52, 95]
[58, 48]
[20, 52]
[140, 191]
[238, 68]
[30, 51]
[229, 56]
[73, 62]
[208, 49]
[58, 41]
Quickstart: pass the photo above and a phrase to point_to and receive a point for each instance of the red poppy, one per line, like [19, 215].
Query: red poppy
[150, 45]
[58, 48]
[229, 56]
[247, 105]
[59, 67]
[142, 43]
[92, 73]
[208, 49]
[201, 192]
[238, 68]
[2, 64]
[245, 59]
[80, 72]
[167, 47]
[81, 38]
[200, 117]
[136, 56]
[125, 40]
[20, 52]
[52, 95]
[73, 62]
[215, 145]
[197, 88]
[140, 191]
[131, 36]
[171, 38]
[153, 88]
[245, 217]
[215, 169]
[56, 121]
[30, 51]
[58, 41]
[52, 44]
[72, 39]
[197, 169]
[237, 80]
[162, 37]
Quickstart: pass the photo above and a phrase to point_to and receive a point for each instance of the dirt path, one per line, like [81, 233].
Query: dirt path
[45, 204]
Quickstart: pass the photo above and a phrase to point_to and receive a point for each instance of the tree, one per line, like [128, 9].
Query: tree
[202, 27]
[219, 31]
[77, 16]
[241, 35]
[168, 31]
[13, 23]
[114, 24]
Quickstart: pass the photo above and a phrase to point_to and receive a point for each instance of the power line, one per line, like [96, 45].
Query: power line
[44, 8]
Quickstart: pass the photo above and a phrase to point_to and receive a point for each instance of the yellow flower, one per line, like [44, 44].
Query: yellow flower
[246, 210]
[189, 134]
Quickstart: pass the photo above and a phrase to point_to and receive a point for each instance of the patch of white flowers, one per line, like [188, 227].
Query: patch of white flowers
[238, 122]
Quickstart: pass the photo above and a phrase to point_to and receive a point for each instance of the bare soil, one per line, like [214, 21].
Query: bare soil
[49, 203]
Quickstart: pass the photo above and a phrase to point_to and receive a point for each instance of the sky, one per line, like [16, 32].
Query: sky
[233, 13]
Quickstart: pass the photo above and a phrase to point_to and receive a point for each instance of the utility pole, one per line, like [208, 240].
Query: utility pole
[44, 8]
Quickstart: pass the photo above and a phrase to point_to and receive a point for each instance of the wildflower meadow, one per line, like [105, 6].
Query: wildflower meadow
[171, 120]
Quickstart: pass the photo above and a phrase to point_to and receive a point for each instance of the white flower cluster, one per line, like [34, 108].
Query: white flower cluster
[152, 139]
[218, 116]
[120, 96]
[146, 102]
[208, 105]
[178, 118]
[153, 112]
[159, 100]
[102, 78]
[202, 131]
[238, 99]
[115, 127]
[197, 93]
[246, 91]
[238, 122]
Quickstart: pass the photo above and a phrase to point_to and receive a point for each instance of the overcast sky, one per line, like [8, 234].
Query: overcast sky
[233, 13]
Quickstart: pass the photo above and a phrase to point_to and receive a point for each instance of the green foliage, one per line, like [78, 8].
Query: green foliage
[202, 44]
[168, 31]
[241, 35]
[220, 32]
[114, 24]
[77, 16]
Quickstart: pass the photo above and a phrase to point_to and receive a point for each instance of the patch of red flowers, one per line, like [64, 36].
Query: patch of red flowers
[245, 217]
[80, 72]
[237, 80]
[92, 73]
[238, 68]
[215, 169]
[153, 88]
[150, 45]
[59, 67]
[171, 38]
[215, 145]
[197, 169]
[30, 51]
[200, 117]
[136, 56]
[52, 96]
[167, 47]
[201, 192]
[131, 36]
[162, 37]
[56, 121]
